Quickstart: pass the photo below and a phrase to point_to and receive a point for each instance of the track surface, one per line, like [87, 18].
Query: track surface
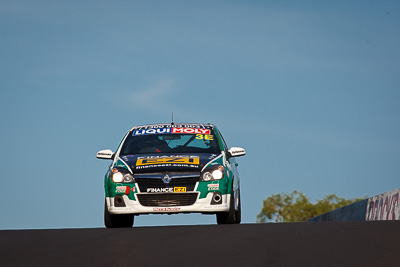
[284, 244]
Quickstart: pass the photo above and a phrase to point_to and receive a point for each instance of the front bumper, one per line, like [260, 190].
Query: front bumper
[202, 205]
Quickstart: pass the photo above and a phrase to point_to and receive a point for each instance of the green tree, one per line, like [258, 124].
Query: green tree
[296, 207]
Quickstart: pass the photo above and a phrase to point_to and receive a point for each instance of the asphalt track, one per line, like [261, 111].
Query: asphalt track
[283, 244]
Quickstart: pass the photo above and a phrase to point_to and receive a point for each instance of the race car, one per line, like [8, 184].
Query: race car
[172, 168]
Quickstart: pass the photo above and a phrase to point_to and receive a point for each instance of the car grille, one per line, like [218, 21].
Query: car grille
[167, 199]
[154, 180]
[173, 175]
[173, 180]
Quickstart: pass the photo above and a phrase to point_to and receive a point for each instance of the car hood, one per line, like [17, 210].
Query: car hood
[145, 163]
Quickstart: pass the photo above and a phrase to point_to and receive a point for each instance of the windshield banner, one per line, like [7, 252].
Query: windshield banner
[173, 130]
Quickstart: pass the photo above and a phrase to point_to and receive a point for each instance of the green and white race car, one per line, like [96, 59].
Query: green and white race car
[172, 168]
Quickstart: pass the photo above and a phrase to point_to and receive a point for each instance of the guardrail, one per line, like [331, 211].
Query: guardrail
[377, 208]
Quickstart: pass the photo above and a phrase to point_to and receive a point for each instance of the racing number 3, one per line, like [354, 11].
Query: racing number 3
[204, 136]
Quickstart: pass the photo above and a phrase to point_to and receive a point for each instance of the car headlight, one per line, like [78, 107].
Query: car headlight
[207, 176]
[215, 172]
[128, 178]
[119, 176]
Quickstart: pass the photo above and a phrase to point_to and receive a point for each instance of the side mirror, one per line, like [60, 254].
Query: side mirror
[236, 151]
[105, 154]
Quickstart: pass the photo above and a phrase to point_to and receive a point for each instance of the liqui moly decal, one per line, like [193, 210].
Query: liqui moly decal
[172, 131]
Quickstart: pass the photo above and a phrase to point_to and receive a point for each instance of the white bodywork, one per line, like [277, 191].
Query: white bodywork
[200, 206]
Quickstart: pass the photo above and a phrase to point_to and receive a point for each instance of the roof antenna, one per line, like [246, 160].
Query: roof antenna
[172, 122]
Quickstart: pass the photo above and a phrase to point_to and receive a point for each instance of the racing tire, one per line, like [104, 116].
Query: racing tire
[238, 212]
[228, 217]
[117, 220]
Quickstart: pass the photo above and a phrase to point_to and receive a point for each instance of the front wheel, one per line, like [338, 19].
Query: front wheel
[117, 220]
[230, 216]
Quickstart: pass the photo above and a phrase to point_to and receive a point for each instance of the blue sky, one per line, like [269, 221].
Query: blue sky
[310, 89]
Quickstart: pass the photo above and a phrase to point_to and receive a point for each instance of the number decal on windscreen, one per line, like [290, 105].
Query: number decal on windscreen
[205, 136]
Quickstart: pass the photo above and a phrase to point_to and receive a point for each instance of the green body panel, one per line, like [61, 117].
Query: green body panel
[223, 187]
[120, 163]
[111, 188]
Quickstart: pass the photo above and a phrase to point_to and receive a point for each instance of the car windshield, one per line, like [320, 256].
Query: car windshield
[170, 143]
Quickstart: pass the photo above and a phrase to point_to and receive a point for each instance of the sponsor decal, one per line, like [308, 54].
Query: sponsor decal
[173, 130]
[133, 189]
[166, 165]
[157, 126]
[179, 189]
[104, 154]
[166, 209]
[122, 189]
[166, 189]
[193, 160]
[160, 190]
[213, 187]
[237, 152]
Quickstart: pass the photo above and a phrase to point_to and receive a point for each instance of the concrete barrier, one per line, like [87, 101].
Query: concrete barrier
[377, 208]
[384, 207]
